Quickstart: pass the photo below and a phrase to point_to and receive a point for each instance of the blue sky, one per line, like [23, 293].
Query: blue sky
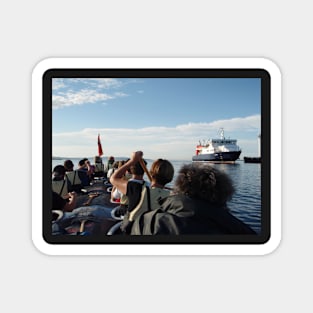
[163, 117]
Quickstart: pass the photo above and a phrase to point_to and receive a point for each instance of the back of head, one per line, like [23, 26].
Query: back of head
[58, 172]
[68, 164]
[82, 162]
[111, 160]
[97, 159]
[136, 169]
[204, 182]
[162, 171]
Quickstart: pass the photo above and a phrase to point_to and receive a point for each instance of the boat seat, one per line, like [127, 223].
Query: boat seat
[115, 229]
[114, 215]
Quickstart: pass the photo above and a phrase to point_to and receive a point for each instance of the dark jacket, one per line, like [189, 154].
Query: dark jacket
[179, 214]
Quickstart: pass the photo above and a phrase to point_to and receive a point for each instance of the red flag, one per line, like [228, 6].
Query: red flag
[100, 152]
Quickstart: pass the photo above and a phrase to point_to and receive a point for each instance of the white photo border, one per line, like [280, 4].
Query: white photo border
[155, 249]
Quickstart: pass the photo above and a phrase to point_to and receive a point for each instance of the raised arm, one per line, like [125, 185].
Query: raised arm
[117, 178]
[89, 168]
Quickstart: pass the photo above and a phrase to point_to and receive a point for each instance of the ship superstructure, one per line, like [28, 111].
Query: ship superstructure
[218, 150]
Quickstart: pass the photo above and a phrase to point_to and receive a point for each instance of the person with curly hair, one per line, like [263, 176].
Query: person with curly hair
[198, 205]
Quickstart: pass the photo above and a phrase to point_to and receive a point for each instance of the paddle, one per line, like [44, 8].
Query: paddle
[82, 226]
[143, 165]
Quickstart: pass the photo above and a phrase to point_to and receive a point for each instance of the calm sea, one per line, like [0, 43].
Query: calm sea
[246, 202]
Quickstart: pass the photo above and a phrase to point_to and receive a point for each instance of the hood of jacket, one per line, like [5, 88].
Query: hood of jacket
[186, 208]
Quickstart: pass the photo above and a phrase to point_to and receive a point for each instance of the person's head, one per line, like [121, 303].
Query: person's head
[58, 172]
[111, 160]
[82, 162]
[162, 171]
[115, 164]
[136, 169]
[68, 164]
[97, 159]
[204, 182]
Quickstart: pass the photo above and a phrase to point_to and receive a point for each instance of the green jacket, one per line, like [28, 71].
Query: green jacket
[179, 214]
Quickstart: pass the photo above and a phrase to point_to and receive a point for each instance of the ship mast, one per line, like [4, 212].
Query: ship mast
[222, 133]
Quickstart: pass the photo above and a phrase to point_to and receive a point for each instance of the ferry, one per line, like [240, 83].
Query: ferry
[220, 150]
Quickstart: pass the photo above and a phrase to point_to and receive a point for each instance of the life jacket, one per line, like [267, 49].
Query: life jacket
[124, 199]
[60, 187]
[74, 182]
[149, 201]
[73, 178]
[99, 169]
[109, 165]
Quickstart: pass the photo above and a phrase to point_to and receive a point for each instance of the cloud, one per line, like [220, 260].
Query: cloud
[57, 84]
[120, 94]
[78, 91]
[168, 142]
[98, 83]
[78, 98]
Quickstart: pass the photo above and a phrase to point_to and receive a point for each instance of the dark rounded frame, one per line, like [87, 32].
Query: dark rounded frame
[265, 78]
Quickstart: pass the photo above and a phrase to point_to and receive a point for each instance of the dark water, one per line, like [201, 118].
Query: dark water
[246, 177]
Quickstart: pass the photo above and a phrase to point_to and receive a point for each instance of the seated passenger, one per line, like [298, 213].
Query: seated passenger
[72, 176]
[59, 183]
[85, 172]
[198, 206]
[99, 167]
[65, 205]
[116, 195]
[109, 165]
[142, 198]
[114, 167]
[59, 206]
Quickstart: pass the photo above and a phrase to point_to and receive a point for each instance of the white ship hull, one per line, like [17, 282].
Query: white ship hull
[218, 150]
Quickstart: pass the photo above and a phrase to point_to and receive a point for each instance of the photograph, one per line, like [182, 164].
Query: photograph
[156, 156]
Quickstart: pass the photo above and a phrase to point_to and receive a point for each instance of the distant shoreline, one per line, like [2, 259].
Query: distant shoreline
[90, 158]
[55, 158]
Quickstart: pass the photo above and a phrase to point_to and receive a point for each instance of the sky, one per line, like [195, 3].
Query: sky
[163, 117]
